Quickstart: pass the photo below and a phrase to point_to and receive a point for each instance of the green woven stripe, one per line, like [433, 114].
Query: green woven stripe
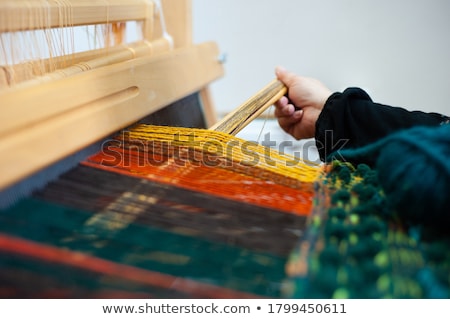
[30, 278]
[176, 210]
[146, 247]
[359, 248]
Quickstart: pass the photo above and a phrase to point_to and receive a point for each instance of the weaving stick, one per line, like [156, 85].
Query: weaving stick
[235, 121]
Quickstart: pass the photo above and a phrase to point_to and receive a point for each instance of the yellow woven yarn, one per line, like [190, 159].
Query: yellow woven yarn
[230, 147]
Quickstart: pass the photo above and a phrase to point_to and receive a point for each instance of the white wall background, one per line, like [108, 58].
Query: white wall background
[399, 50]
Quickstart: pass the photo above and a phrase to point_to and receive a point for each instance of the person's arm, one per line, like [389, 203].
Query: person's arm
[340, 120]
[351, 119]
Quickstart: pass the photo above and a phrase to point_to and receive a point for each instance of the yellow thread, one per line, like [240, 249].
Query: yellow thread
[238, 150]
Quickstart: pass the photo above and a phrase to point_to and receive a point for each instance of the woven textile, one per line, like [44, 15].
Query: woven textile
[158, 214]
[356, 247]
[162, 221]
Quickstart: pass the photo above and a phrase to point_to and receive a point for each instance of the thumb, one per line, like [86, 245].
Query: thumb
[285, 76]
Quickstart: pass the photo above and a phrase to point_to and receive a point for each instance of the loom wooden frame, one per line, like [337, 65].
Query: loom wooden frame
[81, 12]
[44, 121]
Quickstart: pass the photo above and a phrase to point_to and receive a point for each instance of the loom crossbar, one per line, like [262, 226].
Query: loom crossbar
[19, 15]
[81, 109]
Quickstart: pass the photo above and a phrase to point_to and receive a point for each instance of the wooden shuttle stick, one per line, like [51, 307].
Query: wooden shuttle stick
[235, 121]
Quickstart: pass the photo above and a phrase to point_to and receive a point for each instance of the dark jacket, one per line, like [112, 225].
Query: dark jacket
[351, 119]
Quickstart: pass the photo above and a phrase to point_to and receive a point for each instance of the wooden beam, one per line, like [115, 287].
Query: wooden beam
[19, 103]
[18, 15]
[178, 16]
[38, 71]
[86, 107]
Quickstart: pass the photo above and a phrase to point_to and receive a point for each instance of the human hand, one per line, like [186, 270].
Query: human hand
[309, 95]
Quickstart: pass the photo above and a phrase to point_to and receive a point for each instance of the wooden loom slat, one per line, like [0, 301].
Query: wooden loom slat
[178, 19]
[86, 107]
[17, 15]
[62, 66]
[23, 100]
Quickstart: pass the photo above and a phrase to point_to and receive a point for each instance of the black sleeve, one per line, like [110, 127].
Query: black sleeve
[351, 119]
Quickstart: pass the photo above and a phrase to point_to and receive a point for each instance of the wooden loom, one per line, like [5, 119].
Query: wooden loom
[83, 97]
[101, 91]
[176, 228]
[60, 105]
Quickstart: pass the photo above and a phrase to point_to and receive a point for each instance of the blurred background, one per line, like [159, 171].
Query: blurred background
[397, 50]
